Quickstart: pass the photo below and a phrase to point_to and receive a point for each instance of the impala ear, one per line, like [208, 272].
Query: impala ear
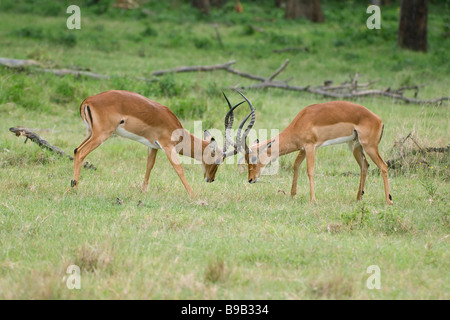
[267, 146]
[207, 135]
[213, 146]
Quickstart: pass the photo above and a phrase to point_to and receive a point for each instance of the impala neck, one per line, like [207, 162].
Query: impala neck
[192, 146]
[282, 142]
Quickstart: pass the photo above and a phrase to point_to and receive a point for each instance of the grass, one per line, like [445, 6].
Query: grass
[234, 240]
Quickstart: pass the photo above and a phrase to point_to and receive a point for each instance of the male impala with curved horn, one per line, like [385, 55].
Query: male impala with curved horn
[320, 125]
[133, 116]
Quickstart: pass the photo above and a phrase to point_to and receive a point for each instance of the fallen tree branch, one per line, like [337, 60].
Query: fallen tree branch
[223, 66]
[321, 90]
[397, 162]
[245, 75]
[407, 156]
[254, 28]
[219, 38]
[376, 93]
[326, 90]
[44, 144]
[17, 63]
[278, 71]
[21, 64]
[291, 49]
[327, 86]
[77, 73]
[336, 95]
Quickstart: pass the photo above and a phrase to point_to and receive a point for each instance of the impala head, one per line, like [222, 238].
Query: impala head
[257, 157]
[251, 154]
[213, 155]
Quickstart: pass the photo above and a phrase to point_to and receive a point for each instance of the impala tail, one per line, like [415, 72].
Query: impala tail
[86, 116]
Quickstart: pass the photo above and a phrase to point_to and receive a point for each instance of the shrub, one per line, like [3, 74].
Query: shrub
[32, 32]
[149, 32]
[188, 108]
[392, 221]
[360, 217]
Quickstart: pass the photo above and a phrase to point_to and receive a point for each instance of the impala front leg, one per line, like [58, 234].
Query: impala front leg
[150, 163]
[364, 166]
[175, 162]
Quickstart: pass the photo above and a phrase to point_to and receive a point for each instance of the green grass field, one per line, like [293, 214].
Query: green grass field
[233, 240]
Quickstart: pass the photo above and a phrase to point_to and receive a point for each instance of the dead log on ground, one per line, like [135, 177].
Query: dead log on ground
[44, 144]
[222, 66]
[338, 92]
[352, 87]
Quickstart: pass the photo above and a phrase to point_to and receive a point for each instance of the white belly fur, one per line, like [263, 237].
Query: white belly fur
[129, 135]
[338, 140]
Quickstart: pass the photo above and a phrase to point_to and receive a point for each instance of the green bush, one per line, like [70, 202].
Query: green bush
[188, 108]
[22, 90]
[358, 218]
[202, 43]
[169, 87]
[32, 32]
[149, 31]
[392, 221]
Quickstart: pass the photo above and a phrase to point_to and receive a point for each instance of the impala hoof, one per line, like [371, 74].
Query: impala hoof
[73, 183]
[390, 202]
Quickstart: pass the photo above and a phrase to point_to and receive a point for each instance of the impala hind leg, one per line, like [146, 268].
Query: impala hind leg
[80, 153]
[373, 153]
[150, 163]
[358, 153]
[297, 163]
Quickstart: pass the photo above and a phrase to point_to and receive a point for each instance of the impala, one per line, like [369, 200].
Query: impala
[320, 125]
[135, 117]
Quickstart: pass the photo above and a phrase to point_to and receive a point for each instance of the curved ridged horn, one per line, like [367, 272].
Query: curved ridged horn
[239, 139]
[229, 119]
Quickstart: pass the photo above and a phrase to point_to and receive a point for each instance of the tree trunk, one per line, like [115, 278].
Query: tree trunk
[309, 9]
[412, 30]
[203, 5]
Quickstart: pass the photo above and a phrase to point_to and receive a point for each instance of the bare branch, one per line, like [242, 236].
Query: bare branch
[254, 28]
[28, 134]
[245, 75]
[77, 73]
[345, 90]
[281, 68]
[17, 63]
[347, 86]
[291, 49]
[223, 66]
[219, 39]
